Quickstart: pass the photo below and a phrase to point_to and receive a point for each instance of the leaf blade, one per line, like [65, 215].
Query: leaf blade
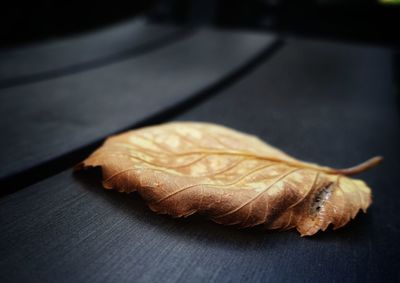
[231, 177]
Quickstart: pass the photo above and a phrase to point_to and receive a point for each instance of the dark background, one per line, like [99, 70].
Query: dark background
[356, 20]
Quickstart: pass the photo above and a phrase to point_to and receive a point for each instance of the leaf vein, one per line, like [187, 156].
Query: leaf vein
[259, 194]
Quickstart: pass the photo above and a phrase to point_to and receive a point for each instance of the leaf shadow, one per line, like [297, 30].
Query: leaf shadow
[204, 230]
[355, 230]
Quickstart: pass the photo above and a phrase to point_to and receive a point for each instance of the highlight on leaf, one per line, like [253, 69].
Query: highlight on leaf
[233, 178]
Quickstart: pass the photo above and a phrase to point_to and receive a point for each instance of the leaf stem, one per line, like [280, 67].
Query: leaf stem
[360, 167]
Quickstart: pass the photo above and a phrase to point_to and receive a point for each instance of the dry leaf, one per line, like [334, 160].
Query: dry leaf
[231, 177]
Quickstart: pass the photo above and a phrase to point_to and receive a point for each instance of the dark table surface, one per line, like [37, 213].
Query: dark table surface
[53, 117]
[43, 60]
[324, 102]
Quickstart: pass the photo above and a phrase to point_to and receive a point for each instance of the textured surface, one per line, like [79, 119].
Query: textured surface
[53, 117]
[321, 102]
[54, 58]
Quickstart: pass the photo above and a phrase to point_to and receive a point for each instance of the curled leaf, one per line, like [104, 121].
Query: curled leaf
[233, 178]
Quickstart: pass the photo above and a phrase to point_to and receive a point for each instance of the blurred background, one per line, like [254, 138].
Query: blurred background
[372, 21]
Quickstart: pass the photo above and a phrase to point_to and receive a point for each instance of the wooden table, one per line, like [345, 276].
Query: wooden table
[325, 102]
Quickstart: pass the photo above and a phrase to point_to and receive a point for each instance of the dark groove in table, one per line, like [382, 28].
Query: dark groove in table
[98, 62]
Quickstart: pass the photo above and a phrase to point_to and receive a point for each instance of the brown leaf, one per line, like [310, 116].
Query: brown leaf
[233, 178]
